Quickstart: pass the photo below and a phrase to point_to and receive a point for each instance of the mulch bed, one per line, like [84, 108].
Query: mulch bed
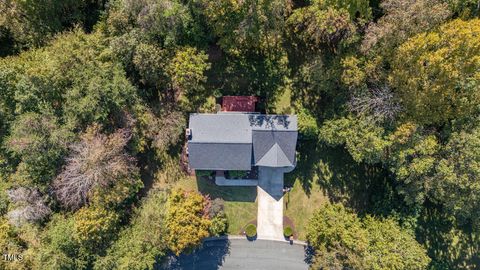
[288, 222]
[242, 232]
[184, 161]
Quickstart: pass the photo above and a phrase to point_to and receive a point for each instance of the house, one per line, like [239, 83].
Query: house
[240, 141]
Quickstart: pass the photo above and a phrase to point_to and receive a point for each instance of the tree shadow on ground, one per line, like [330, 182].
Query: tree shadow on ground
[340, 177]
[371, 190]
[248, 74]
[148, 167]
[452, 247]
[240, 194]
[209, 256]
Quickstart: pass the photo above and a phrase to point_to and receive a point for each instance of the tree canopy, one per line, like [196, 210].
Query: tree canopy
[95, 97]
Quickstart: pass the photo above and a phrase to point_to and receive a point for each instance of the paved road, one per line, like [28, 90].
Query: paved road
[270, 203]
[236, 254]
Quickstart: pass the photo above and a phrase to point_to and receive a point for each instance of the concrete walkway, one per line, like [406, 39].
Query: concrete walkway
[270, 203]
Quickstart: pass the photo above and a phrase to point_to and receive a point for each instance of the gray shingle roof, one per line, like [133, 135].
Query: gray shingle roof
[264, 140]
[275, 157]
[226, 141]
[220, 156]
[220, 128]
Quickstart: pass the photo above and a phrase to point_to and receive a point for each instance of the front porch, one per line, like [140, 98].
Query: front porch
[250, 179]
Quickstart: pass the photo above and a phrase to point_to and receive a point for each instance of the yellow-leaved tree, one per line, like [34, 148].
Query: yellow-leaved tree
[187, 221]
[437, 74]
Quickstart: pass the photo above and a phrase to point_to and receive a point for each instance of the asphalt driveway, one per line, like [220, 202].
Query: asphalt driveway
[236, 254]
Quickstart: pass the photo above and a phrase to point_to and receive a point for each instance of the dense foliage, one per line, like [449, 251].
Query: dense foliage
[343, 240]
[94, 97]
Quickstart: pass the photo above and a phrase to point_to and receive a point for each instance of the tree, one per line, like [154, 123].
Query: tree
[29, 204]
[344, 241]
[97, 168]
[337, 235]
[457, 178]
[186, 221]
[39, 142]
[76, 78]
[10, 243]
[363, 139]
[317, 27]
[142, 244]
[413, 157]
[435, 74]
[150, 62]
[329, 23]
[378, 103]
[59, 249]
[165, 22]
[94, 228]
[307, 124]
[391, 247]
[247, 25]
[403, 19]
[186, 72]
[466, 9]
[31, 23]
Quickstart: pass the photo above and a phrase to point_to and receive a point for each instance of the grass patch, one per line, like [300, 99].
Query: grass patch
[326, 174]
[299, 206]
[283, 104]
[240, 202]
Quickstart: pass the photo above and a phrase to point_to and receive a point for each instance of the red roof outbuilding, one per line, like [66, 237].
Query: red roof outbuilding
[239, 103]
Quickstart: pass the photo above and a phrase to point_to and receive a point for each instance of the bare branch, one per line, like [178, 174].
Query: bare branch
[98, 160]
[379, 103]
[30, 204]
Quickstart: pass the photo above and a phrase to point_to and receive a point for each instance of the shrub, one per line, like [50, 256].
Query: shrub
[237, 174]
[216, 208]
[251, 230]
[186, 221]
[203, 173]
[288, 231]
[219, 225]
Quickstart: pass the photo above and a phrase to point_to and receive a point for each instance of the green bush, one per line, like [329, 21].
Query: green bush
[219, 225]
[307, 124]
[237, 174]
[251, 230]
[288, 231]
[203, 173]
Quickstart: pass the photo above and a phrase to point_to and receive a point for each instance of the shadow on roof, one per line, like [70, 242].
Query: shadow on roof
[270, 121]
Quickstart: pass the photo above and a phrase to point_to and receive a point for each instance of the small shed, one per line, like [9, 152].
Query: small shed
[239, 103]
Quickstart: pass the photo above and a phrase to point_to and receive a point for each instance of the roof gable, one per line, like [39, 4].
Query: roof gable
[264, 141]
[275, 157]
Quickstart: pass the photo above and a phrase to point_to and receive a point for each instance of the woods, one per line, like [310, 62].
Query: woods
[95, 95]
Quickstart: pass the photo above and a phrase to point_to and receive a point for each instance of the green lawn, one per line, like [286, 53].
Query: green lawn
[240, 202]
[326, 174]
[283, 103]
[299, 206]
